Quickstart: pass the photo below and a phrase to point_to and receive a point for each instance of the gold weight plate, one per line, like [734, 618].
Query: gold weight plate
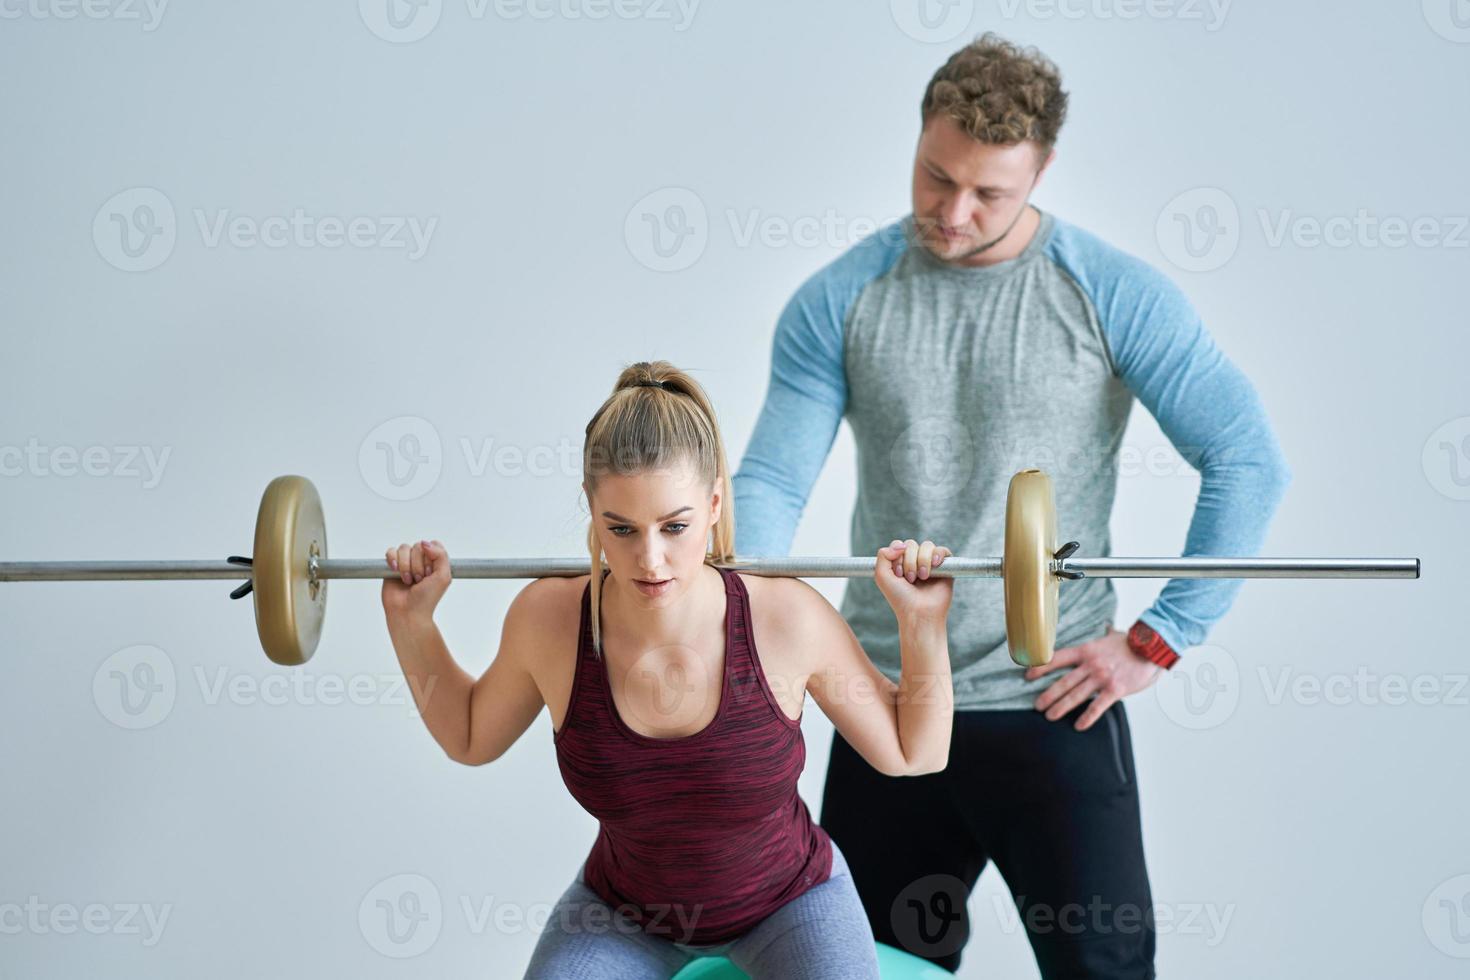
[289, 606]
[1030, 587]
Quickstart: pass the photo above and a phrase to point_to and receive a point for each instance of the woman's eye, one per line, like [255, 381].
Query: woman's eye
[671, 528]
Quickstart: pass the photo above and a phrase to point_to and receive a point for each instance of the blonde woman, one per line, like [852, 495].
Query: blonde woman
[675, 690]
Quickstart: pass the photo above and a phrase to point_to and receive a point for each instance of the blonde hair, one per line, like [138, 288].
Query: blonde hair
[657, 417]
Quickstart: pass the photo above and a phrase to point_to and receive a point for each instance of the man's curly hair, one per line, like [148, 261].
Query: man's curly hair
[999, 93]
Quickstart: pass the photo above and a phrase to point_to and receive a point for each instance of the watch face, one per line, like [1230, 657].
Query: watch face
[1143, 632]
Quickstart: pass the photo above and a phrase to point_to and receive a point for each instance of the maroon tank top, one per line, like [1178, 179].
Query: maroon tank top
[700, 837]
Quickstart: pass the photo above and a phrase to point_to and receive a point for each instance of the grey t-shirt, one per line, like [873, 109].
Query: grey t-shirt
[954, 378]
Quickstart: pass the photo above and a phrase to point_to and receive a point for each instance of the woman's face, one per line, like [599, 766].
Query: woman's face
[654, 528]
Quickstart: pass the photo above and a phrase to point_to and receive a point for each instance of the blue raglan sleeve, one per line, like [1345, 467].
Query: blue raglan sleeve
[805, 400]
[1208, 409]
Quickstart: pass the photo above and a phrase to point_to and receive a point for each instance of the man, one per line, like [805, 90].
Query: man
[974, 338]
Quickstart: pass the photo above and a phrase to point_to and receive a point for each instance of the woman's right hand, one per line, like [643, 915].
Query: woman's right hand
[423, 577]
[902, 574]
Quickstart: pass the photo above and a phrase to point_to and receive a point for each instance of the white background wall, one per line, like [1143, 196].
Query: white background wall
[1298, 821]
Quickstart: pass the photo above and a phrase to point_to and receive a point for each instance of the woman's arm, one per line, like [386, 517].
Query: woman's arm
[474, 721]
[901, 729]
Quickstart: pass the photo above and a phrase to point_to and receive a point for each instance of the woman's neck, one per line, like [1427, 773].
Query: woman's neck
[685, 620]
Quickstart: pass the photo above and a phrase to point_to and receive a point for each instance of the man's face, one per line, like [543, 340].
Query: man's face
[968, 194]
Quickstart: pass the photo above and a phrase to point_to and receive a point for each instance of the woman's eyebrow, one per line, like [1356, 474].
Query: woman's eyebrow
[620, 517]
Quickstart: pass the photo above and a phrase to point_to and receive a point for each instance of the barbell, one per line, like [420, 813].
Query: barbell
[289, 569]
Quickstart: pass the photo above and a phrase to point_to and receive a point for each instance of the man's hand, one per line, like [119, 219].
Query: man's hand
[1106, 667]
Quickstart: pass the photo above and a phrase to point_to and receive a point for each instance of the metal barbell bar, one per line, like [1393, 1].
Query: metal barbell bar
[290, 568]
[519, 568]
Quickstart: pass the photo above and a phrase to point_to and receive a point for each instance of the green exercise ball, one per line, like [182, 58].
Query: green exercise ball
[893, 964]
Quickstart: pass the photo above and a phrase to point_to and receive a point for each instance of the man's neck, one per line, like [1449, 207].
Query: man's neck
[1009, 247]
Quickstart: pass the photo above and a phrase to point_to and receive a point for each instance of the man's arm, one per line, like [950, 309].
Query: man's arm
[795, 431]
[806, 398]
[1204, 404]
[1212, 414]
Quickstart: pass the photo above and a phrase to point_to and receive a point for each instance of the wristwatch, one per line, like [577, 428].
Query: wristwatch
[1149, 645]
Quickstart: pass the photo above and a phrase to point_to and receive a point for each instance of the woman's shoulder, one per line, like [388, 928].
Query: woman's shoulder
[784, 603]
[779, 590]
[549, 608]
[553, 594]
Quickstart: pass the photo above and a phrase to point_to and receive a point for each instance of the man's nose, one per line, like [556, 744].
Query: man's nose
[956, 211]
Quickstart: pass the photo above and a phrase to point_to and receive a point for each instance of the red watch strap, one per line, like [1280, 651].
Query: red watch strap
[1149, 645]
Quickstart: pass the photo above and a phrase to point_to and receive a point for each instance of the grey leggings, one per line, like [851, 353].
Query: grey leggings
[821, 934]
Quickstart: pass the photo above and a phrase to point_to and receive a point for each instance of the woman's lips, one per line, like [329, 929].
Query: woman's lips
[651, 588]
